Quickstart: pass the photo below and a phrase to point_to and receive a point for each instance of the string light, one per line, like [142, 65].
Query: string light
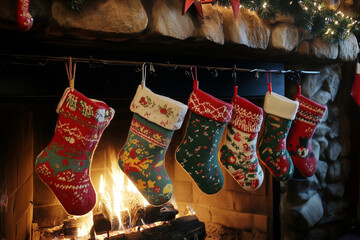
[311, 15]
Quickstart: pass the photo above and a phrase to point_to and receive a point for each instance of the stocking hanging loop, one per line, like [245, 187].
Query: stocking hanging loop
[268, 80]
[70, 70]
[234, 75]
[194, 77]
[143, 74]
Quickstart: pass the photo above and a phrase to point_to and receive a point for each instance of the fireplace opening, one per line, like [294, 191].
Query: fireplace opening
[120, 209]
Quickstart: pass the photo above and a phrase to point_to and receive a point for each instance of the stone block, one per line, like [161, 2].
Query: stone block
[321, 171]
[211, 28]
[183, 191]
[261, 223]
[333, 85]
[223, 199]
[112, 16]
[306, 215]
[334, 210]
[202, 211]
[241, 221]
[324, 50]
[349, 48]
[22, 199]
[311, 83]
[323, 142]
[248, 29]
[333, 150]
[321, 130]
[285, 37]
[249, 203]
[334, 172]
[335, 129]
[315, 146]
[167, 20]
[50, 215]
[301, 190]
[321, 97]
[335, 190]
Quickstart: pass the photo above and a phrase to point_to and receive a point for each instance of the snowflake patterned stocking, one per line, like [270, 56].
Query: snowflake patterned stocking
[198, 151]
[238, 154]
[272, 145]
[302, 129]
[65, 163]
[142, 157]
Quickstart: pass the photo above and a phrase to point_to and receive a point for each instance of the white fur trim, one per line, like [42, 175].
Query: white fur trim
[280, 106]
[158, 109]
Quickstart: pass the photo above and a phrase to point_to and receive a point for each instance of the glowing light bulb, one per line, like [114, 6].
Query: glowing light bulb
[264, 5]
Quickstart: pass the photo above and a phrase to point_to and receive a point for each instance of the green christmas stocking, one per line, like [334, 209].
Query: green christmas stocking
[142, 157]
[64, 164]
[272, 145]
[198, 151]
[238, 154]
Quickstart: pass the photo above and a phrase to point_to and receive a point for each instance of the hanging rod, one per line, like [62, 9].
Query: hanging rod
[136, 63]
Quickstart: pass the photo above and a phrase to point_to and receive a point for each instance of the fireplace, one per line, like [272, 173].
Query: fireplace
[320, 207]
[232, 213]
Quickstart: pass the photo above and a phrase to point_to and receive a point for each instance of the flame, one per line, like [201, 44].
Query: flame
[87, 223]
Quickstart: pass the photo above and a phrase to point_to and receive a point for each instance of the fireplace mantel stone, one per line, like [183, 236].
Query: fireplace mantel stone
[163, 21]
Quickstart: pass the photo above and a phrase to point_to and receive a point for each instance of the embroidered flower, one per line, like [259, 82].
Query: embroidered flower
[232, 159]
[165, 110]
[156, 189]
[158, 177]
[143, 101]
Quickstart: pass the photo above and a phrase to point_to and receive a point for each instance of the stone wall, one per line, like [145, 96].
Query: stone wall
[315, 208]
[120, 20]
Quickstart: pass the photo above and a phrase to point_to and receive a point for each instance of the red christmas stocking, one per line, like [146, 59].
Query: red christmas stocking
[355, 90]
[307, 118]
[24, 19]
[65, 163]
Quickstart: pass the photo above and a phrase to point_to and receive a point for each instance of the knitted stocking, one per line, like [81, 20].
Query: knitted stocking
[272, 145]
[302, 129]
[238, 154]
[142, 157]
[197, 153]
[64, 164]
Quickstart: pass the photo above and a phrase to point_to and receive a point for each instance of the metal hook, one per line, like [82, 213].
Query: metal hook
[169, 67]
[257, 75]
[152, 70]
[92, 63]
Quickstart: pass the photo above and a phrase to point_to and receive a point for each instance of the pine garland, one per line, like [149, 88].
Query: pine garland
[311, 15]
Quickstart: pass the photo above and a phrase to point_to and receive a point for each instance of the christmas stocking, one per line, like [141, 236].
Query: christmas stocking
[198, 151]
[302, 129]
[355, 89]
[24, 19]
[64, 164]
[142, 157]
[272, 145]
[238, 154]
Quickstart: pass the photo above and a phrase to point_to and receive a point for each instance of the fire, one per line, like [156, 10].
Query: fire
[117, 194]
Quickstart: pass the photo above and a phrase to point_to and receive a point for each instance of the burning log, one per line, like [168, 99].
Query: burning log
[102, 215]
[187, 227]
[151, 214]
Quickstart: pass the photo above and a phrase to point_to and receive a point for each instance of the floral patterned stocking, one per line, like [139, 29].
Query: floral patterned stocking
[142, 157]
